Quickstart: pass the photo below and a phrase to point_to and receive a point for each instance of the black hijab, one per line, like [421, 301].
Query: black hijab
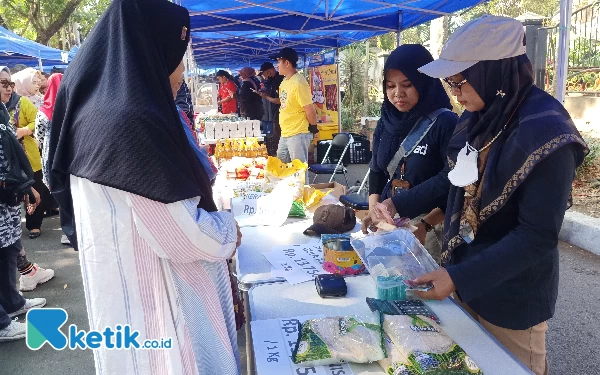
[115, 121]
[395, 125]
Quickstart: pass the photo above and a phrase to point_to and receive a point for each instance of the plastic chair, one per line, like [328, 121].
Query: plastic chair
[340, 141]
[357, 201]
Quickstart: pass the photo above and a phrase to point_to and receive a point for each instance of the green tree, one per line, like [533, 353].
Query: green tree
[50, 21]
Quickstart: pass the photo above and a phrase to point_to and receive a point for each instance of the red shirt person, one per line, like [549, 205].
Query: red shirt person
[227, 90]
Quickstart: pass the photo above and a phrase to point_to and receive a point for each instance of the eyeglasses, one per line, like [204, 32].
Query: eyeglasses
[455, 85]
[6, 83]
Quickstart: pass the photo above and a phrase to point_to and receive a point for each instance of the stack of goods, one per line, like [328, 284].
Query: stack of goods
[227, 149]
[224, 128]
[243, 169]
[400, 344]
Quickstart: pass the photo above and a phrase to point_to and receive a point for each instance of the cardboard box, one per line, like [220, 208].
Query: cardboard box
[338, 189]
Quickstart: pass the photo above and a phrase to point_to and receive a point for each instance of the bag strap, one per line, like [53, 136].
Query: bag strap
[414, 137]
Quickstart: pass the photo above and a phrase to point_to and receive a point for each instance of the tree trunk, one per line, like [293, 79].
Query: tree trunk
[44, 35]
[3, 23]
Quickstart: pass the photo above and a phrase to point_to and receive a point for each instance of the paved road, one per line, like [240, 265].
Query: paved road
[573, 340]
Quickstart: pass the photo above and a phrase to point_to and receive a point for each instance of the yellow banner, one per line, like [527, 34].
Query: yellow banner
[324, 86]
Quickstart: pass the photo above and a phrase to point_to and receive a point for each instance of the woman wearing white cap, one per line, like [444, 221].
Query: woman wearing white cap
[513, 157]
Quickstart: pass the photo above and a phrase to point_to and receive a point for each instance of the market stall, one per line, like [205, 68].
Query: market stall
[280, 257]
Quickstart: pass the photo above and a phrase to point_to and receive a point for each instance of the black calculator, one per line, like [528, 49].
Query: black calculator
[415, 307]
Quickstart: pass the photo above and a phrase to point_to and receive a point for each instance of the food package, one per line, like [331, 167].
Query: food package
[416, 345]
[339, 256]
[291, 174]
[395, 253]
[332, 340]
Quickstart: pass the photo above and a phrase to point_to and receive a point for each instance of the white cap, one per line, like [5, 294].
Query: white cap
[486, 38]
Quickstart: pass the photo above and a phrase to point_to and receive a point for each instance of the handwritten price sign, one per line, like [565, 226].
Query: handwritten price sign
[296, 263]
[274, 341]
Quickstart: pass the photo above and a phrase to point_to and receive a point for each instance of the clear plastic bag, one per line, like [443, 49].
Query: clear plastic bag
[333, 340]
[395, 253]
[416, 345]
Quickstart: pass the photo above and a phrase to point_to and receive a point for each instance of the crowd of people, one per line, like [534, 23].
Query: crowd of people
[154, 251]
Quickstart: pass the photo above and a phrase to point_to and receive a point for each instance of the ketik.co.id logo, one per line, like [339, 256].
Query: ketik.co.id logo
[43, 326]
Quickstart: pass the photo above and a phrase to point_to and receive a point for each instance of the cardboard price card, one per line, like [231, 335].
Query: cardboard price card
[274, 341]
[270, 209]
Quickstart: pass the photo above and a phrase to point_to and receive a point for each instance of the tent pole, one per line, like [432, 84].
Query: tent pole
[399, 32]
[564, 33]
[339, 92]
[41, 65]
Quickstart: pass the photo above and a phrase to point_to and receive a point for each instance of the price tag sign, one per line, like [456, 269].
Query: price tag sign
[274, 341]
[296, 263]
[270, 209]
[245, 205]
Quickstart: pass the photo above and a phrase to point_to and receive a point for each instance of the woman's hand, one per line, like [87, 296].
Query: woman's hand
[367, 223]
[32, 206]
[383, 212]
[443, 286]
[21, 132]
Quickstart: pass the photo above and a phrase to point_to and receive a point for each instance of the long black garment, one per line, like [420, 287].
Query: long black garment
[34, 221]
[115, 121]
[251, 105]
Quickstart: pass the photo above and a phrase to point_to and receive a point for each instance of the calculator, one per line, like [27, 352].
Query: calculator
[415, 307]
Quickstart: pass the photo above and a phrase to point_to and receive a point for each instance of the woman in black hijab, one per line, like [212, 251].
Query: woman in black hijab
[513, 156]
[415, 115]
[153, 251]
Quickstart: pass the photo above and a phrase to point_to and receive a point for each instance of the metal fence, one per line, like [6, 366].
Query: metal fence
[584, 54]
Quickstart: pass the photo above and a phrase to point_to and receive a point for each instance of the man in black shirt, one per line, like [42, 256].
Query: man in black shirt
[271, 93]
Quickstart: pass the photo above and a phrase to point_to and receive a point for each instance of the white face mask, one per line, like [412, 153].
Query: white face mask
[465, 171]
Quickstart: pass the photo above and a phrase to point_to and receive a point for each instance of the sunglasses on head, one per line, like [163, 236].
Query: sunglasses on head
[5, 83]
[455, 85]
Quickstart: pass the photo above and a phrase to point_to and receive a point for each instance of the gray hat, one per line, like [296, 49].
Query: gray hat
[486, 38]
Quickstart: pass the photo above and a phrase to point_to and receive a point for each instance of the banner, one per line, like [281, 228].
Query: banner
[324, 86]
[327, 58]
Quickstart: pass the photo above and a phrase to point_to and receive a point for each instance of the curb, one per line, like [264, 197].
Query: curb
[582, 231]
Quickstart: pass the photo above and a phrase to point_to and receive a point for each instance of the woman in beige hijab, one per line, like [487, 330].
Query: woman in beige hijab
[27, 84]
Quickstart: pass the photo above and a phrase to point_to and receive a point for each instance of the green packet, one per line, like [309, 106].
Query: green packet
[298, 209]
[333, 340]
[416, 345]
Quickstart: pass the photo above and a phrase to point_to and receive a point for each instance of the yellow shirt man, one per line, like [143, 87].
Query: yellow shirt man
[294, 94]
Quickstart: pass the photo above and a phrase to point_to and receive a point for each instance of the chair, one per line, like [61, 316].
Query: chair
[357, 201]
[340, 141]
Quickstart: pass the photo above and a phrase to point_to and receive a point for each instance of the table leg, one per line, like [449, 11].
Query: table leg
[249, 351]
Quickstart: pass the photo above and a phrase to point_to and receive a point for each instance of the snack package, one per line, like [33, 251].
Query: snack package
[332, 340]
[290, 174]
[416, 345]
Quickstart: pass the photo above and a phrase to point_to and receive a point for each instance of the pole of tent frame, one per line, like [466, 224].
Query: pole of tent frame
[564, 33]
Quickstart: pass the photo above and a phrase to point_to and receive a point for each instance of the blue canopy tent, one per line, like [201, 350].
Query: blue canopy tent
[15, 49]
[232, 33]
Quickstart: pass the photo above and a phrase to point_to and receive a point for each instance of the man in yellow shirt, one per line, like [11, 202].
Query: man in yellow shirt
[297, 115]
